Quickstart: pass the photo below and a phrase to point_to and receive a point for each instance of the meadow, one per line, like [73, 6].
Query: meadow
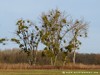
[26, 69]
[50, 72]
[12, 62]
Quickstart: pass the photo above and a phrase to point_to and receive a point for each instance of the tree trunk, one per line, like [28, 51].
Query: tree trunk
[31, 58]
[30, 61]
[64, 63]
[51, 61]
[74, 55]
[55, 61]
[35, 58]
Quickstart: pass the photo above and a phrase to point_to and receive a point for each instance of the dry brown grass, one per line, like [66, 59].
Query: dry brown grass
[27, 66]
[14, 66]
[81, 66]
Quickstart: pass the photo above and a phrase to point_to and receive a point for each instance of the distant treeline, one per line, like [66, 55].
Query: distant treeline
[17, 56]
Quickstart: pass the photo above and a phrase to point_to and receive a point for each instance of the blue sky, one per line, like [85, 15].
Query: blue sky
[12, 10]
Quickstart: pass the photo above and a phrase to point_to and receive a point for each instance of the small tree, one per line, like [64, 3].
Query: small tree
[79, 30]
[28, 38]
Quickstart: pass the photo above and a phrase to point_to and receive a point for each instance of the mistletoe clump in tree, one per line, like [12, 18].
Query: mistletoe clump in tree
[2, 41]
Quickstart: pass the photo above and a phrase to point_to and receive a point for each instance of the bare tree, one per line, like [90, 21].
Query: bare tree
[79, 30]
[27, 38]
[53, 32]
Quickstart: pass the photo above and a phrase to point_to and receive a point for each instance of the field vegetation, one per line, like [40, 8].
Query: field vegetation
[15, 59]
[49, 72]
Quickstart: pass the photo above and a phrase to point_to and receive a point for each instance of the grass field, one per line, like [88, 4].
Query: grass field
[50, 72]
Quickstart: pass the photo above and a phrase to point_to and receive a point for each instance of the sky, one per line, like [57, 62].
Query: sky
[12, 10]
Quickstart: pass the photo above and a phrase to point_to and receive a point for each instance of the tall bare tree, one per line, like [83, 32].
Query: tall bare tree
[53, 32]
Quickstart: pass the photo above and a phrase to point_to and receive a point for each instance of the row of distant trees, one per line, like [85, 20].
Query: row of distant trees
[56, 31]
[14, 56]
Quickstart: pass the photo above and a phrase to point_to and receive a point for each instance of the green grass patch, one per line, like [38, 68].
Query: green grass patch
[50, 72]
